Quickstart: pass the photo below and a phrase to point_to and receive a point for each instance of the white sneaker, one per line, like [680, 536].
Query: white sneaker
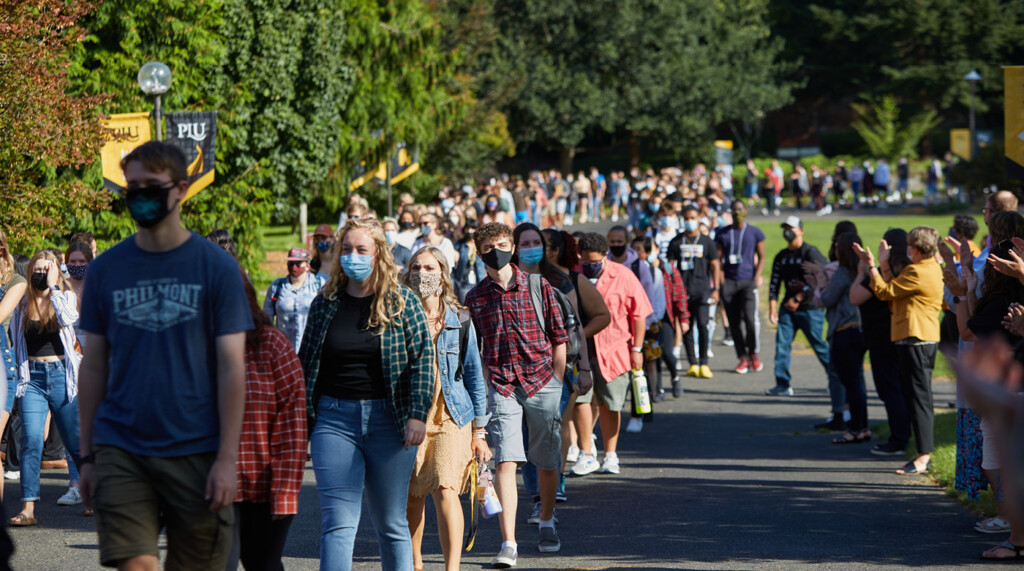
[615, 217]
[586, 464]
[71, 498]
[635, 425]
[573, 454]
[12, 475]
[610, 464]
[677, 351]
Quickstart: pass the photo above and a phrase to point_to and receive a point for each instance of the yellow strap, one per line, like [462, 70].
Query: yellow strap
[474, 505]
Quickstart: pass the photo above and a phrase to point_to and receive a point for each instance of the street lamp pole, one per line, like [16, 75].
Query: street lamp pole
[155, 79]
[972, 78]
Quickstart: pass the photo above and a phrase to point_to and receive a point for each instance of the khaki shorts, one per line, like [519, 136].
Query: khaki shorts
[613, 394]
[136, 496]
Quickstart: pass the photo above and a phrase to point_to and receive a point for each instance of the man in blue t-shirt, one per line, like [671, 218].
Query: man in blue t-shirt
[741, 249]
[162, 381]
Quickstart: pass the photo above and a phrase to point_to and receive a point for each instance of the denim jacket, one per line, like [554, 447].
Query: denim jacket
[466, 397]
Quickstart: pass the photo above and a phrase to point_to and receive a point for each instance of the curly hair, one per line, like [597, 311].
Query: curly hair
[388, 303]
[492, 231]
[593, 242]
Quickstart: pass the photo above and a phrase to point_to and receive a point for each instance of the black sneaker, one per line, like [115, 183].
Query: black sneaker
[888, 449]
[833, 424]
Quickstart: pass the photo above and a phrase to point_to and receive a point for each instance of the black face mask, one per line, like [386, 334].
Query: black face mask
[148, 204]
[406, 225]
[617, 251]
[789, 235]
[39, 281]
[497, 259]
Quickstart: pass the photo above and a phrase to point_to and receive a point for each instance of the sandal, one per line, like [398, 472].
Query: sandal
[993, 525]
[1016, 549]
[22, 520]
[910, 469]
[853, 437]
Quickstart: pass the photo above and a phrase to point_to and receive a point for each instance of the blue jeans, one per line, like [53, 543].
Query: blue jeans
[356, 446]
[46, 392]
[811, 322]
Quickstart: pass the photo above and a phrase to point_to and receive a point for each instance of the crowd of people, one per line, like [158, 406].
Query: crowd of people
[400, 354]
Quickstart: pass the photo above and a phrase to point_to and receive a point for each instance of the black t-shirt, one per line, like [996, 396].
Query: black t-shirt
[693, 257]
[875, 318]
[350, 363]
[988, 319]
[788, 265]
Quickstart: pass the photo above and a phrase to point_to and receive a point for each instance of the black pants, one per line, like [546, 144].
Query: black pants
[668, 356]
[740, 307]
[885, 369]
[699, 309]
[259, 539]
[916, 364]
[847, 360]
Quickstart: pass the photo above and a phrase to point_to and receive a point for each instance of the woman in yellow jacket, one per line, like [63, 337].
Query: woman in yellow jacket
[915, 298]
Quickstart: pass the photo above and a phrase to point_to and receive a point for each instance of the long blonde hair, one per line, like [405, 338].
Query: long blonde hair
[48, 318]
[6, 261]
[388, 303]
[447, 289]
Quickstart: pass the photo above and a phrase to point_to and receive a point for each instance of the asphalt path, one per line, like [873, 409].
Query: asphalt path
[723, 478]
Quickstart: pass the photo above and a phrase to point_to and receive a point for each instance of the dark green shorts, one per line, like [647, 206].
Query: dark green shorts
[137, 496]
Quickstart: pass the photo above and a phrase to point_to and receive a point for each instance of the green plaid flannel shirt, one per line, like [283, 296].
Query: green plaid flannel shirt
[407, 351]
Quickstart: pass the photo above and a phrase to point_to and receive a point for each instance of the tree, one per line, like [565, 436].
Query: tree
[273, 69]
[879, 125]
[398, 92]
[44, 130]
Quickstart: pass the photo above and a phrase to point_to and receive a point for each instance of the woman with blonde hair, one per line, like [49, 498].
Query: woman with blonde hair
[369, 365]
[44, 349]
[444, 461]
[11, 293]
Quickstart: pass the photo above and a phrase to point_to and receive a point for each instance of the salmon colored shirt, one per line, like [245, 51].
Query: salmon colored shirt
[627, 303]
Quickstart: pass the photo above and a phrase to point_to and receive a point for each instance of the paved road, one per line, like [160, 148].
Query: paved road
[724, 478]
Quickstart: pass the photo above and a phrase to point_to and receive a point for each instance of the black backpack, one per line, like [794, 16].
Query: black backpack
[572, 322]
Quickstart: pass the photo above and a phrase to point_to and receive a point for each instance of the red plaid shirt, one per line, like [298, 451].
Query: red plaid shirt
[675, 294]
[272, 451]
[515, 347]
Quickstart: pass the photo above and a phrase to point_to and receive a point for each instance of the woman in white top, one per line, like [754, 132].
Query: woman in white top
[430, 235]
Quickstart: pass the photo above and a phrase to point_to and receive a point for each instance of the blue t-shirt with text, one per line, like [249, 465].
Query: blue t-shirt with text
[161, 313]
[738, 247]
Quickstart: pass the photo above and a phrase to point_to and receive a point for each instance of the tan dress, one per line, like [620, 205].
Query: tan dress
[444, 460]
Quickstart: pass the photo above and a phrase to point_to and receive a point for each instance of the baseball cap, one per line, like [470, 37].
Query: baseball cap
[323, 230]
[793, 222]
[299, 255]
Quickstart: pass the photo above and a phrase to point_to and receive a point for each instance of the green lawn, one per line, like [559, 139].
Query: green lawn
[943, 470]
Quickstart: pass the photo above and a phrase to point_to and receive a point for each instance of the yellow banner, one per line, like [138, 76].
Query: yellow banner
[960, 143]
[1013, 98]
[723, 144]
[125, 132]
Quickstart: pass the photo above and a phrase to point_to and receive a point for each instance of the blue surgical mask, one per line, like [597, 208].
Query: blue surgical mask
[447, 204]
[357, 267]
[721, 221]
[531, 256]
[425, 230]
[391, 236]
[654, 207]
[691, 225]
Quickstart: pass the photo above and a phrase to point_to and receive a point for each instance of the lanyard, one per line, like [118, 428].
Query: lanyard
[738, 246]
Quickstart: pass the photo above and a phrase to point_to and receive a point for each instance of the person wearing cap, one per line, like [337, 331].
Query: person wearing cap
[288, 298]
[323, 239]
[796, 311]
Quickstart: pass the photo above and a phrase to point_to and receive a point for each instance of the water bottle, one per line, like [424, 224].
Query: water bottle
[641, 397]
